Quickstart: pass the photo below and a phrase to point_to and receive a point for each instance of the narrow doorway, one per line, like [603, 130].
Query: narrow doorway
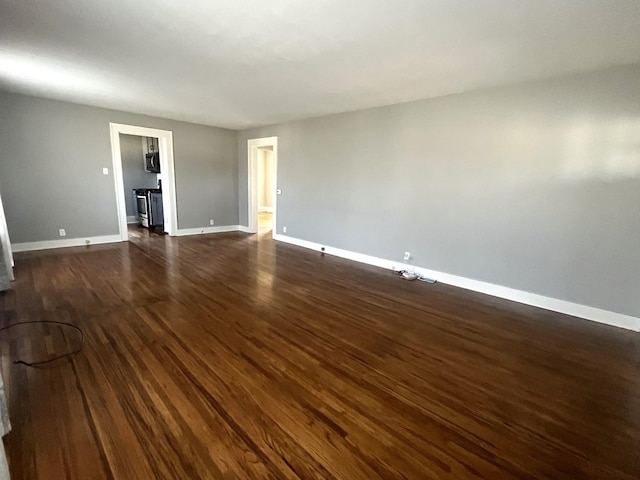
[265, 190]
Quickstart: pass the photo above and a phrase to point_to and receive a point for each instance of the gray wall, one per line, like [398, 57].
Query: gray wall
[534, 187]
[133, 174]
[51, 159]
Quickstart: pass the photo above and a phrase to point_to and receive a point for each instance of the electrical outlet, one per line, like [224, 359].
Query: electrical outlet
[62, 232]
[105, 171]
[284, 229]
[211, 222]
[407, 256]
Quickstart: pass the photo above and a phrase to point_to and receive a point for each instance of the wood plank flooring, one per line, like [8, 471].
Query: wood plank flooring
[230, 356]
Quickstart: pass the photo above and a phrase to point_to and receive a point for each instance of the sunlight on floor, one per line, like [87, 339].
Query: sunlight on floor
[265, 222]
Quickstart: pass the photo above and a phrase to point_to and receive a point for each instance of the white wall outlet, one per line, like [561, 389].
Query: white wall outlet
[407, 256]
[105, 171]
[284, 229]
[211, 222]
[62, 232]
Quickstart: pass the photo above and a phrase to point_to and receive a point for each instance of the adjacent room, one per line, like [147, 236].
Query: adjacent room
[266, 189]
[320, 240]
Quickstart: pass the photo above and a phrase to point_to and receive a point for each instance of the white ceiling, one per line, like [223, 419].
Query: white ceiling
[241, 63]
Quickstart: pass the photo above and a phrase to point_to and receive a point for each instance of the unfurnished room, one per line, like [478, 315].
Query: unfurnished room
[331, 240]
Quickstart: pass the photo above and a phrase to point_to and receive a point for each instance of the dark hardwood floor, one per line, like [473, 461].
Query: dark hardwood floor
[227, 356]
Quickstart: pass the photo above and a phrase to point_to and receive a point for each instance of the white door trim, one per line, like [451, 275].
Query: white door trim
[252, 181]
[167, 167]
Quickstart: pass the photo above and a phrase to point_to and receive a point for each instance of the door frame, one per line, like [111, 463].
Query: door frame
[167, 167]
[252, 181]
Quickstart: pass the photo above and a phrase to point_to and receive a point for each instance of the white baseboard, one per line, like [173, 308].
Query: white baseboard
[244, 229]
[79, 242]
[548, 303]
[67, 242]
[132, 219]
[202, 230]
[265, 209]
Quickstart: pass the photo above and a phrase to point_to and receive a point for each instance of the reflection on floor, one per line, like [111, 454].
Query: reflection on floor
[231, 356]
[265, 222]
[136, 231]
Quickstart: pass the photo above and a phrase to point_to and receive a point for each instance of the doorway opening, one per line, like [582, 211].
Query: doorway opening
[266, 190]
[144, 177]
[262, 181]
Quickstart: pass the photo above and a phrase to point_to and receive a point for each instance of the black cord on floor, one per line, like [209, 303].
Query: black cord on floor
[58, 357]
